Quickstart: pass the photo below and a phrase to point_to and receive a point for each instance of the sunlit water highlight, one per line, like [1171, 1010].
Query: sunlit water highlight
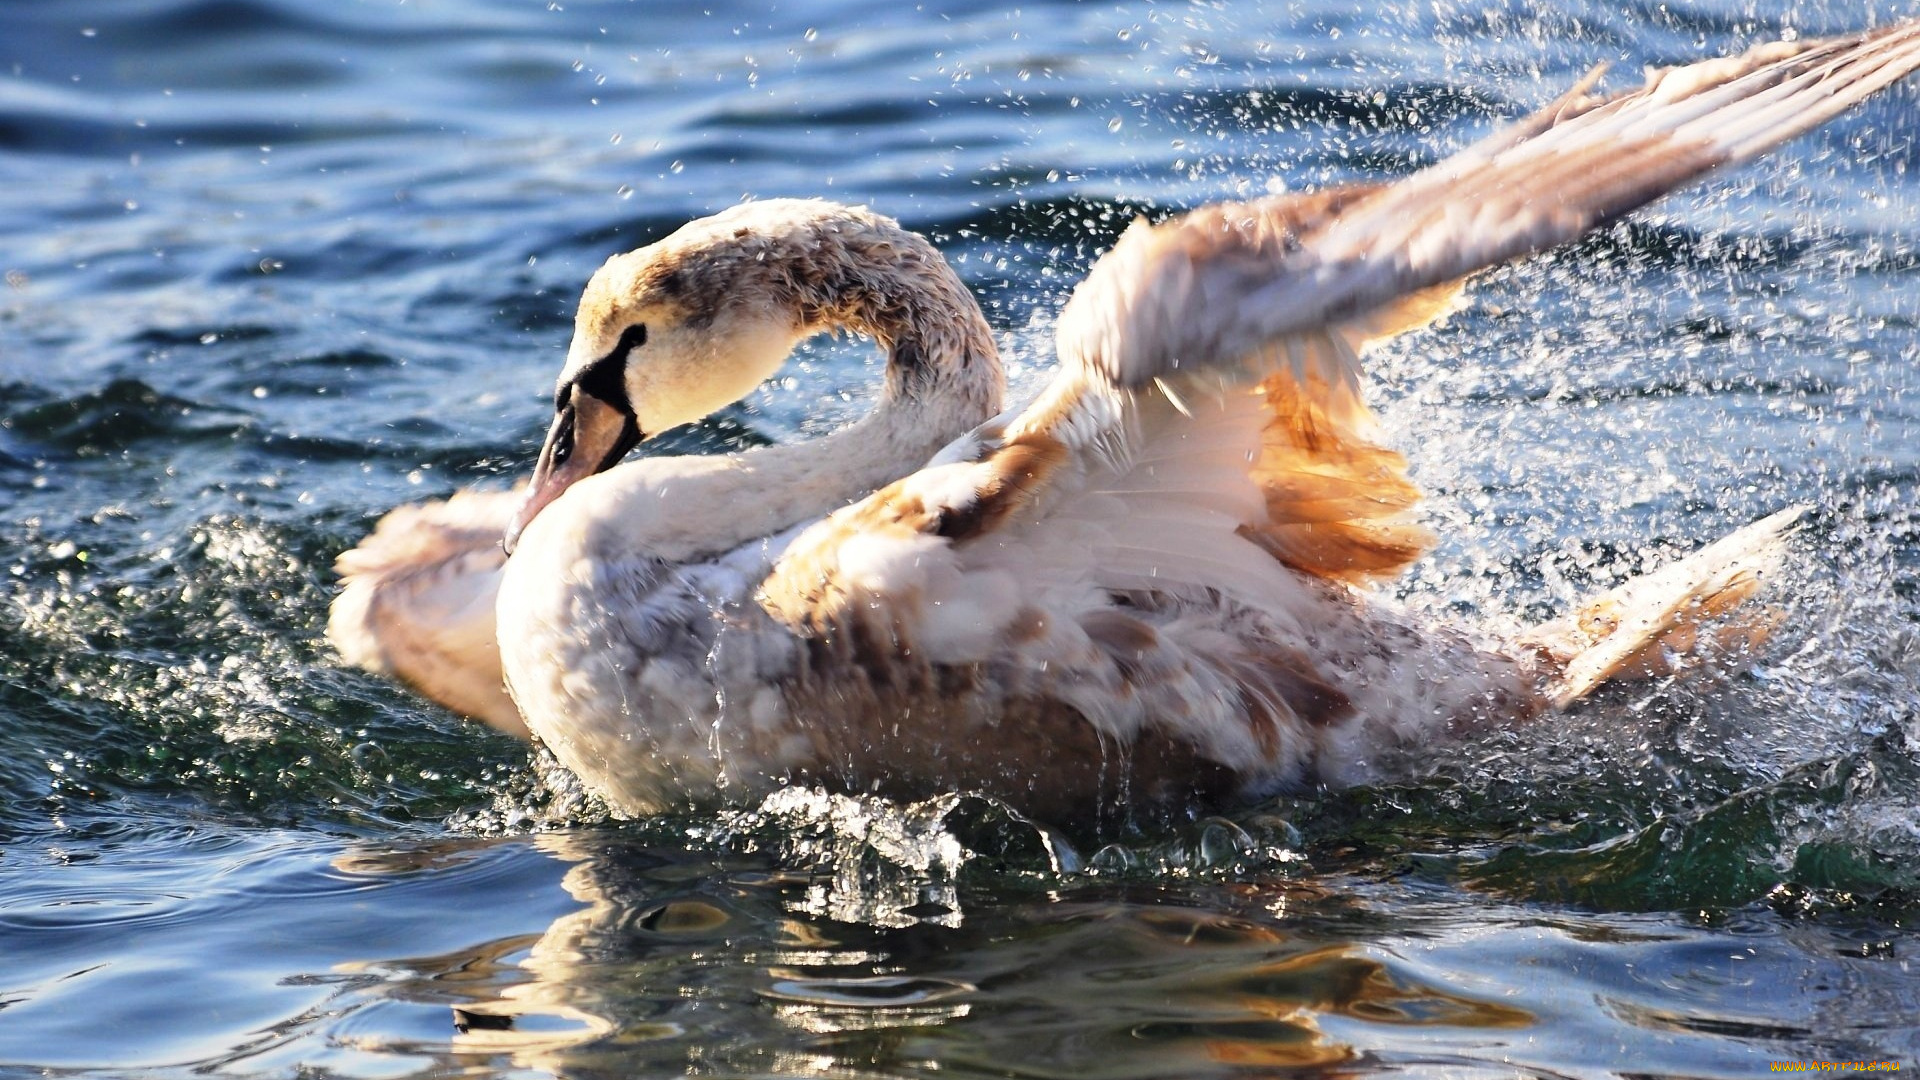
[273, 268]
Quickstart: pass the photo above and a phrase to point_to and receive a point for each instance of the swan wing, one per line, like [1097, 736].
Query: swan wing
[1209, 399]
[1219, 286]
[417, 602]
[1161, 540]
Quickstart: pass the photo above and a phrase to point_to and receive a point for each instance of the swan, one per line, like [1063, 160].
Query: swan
[1148, 586]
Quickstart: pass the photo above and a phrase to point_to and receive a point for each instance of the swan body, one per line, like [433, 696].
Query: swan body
[1147, 586]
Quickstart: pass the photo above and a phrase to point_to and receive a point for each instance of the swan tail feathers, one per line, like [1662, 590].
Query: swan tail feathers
[1651, 626]
[417, 602]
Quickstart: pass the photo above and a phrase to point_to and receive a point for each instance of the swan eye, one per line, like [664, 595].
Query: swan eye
[605, 378]
[630, 339]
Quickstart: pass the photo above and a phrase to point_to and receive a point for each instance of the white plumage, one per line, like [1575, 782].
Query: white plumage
[1144, 587]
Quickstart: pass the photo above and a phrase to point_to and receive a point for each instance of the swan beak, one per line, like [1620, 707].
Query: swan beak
[589, 435]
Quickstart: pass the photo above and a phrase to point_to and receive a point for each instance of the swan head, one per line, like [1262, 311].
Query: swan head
[674, 331]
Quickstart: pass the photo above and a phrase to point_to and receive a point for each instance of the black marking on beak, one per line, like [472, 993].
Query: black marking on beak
[594, 416]
[604, 380]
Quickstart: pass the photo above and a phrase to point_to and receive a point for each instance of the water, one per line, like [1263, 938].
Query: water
[275, 267]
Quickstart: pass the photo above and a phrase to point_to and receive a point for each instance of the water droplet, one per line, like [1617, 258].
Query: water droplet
[1114, 124]
[1222, 843]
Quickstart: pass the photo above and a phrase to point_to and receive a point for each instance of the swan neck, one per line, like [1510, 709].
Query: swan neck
[943, 378]
[902, 292]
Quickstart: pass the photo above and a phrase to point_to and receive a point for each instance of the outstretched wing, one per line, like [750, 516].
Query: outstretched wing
[1224, 283]
[1209, 404]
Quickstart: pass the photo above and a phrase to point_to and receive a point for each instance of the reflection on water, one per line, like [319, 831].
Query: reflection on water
[648, 950]
[1075, 980]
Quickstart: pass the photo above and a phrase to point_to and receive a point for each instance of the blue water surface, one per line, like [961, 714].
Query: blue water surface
[274, 267]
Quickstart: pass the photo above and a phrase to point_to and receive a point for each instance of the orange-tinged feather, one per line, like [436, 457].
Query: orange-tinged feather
[1336, 502]
[811, 589]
